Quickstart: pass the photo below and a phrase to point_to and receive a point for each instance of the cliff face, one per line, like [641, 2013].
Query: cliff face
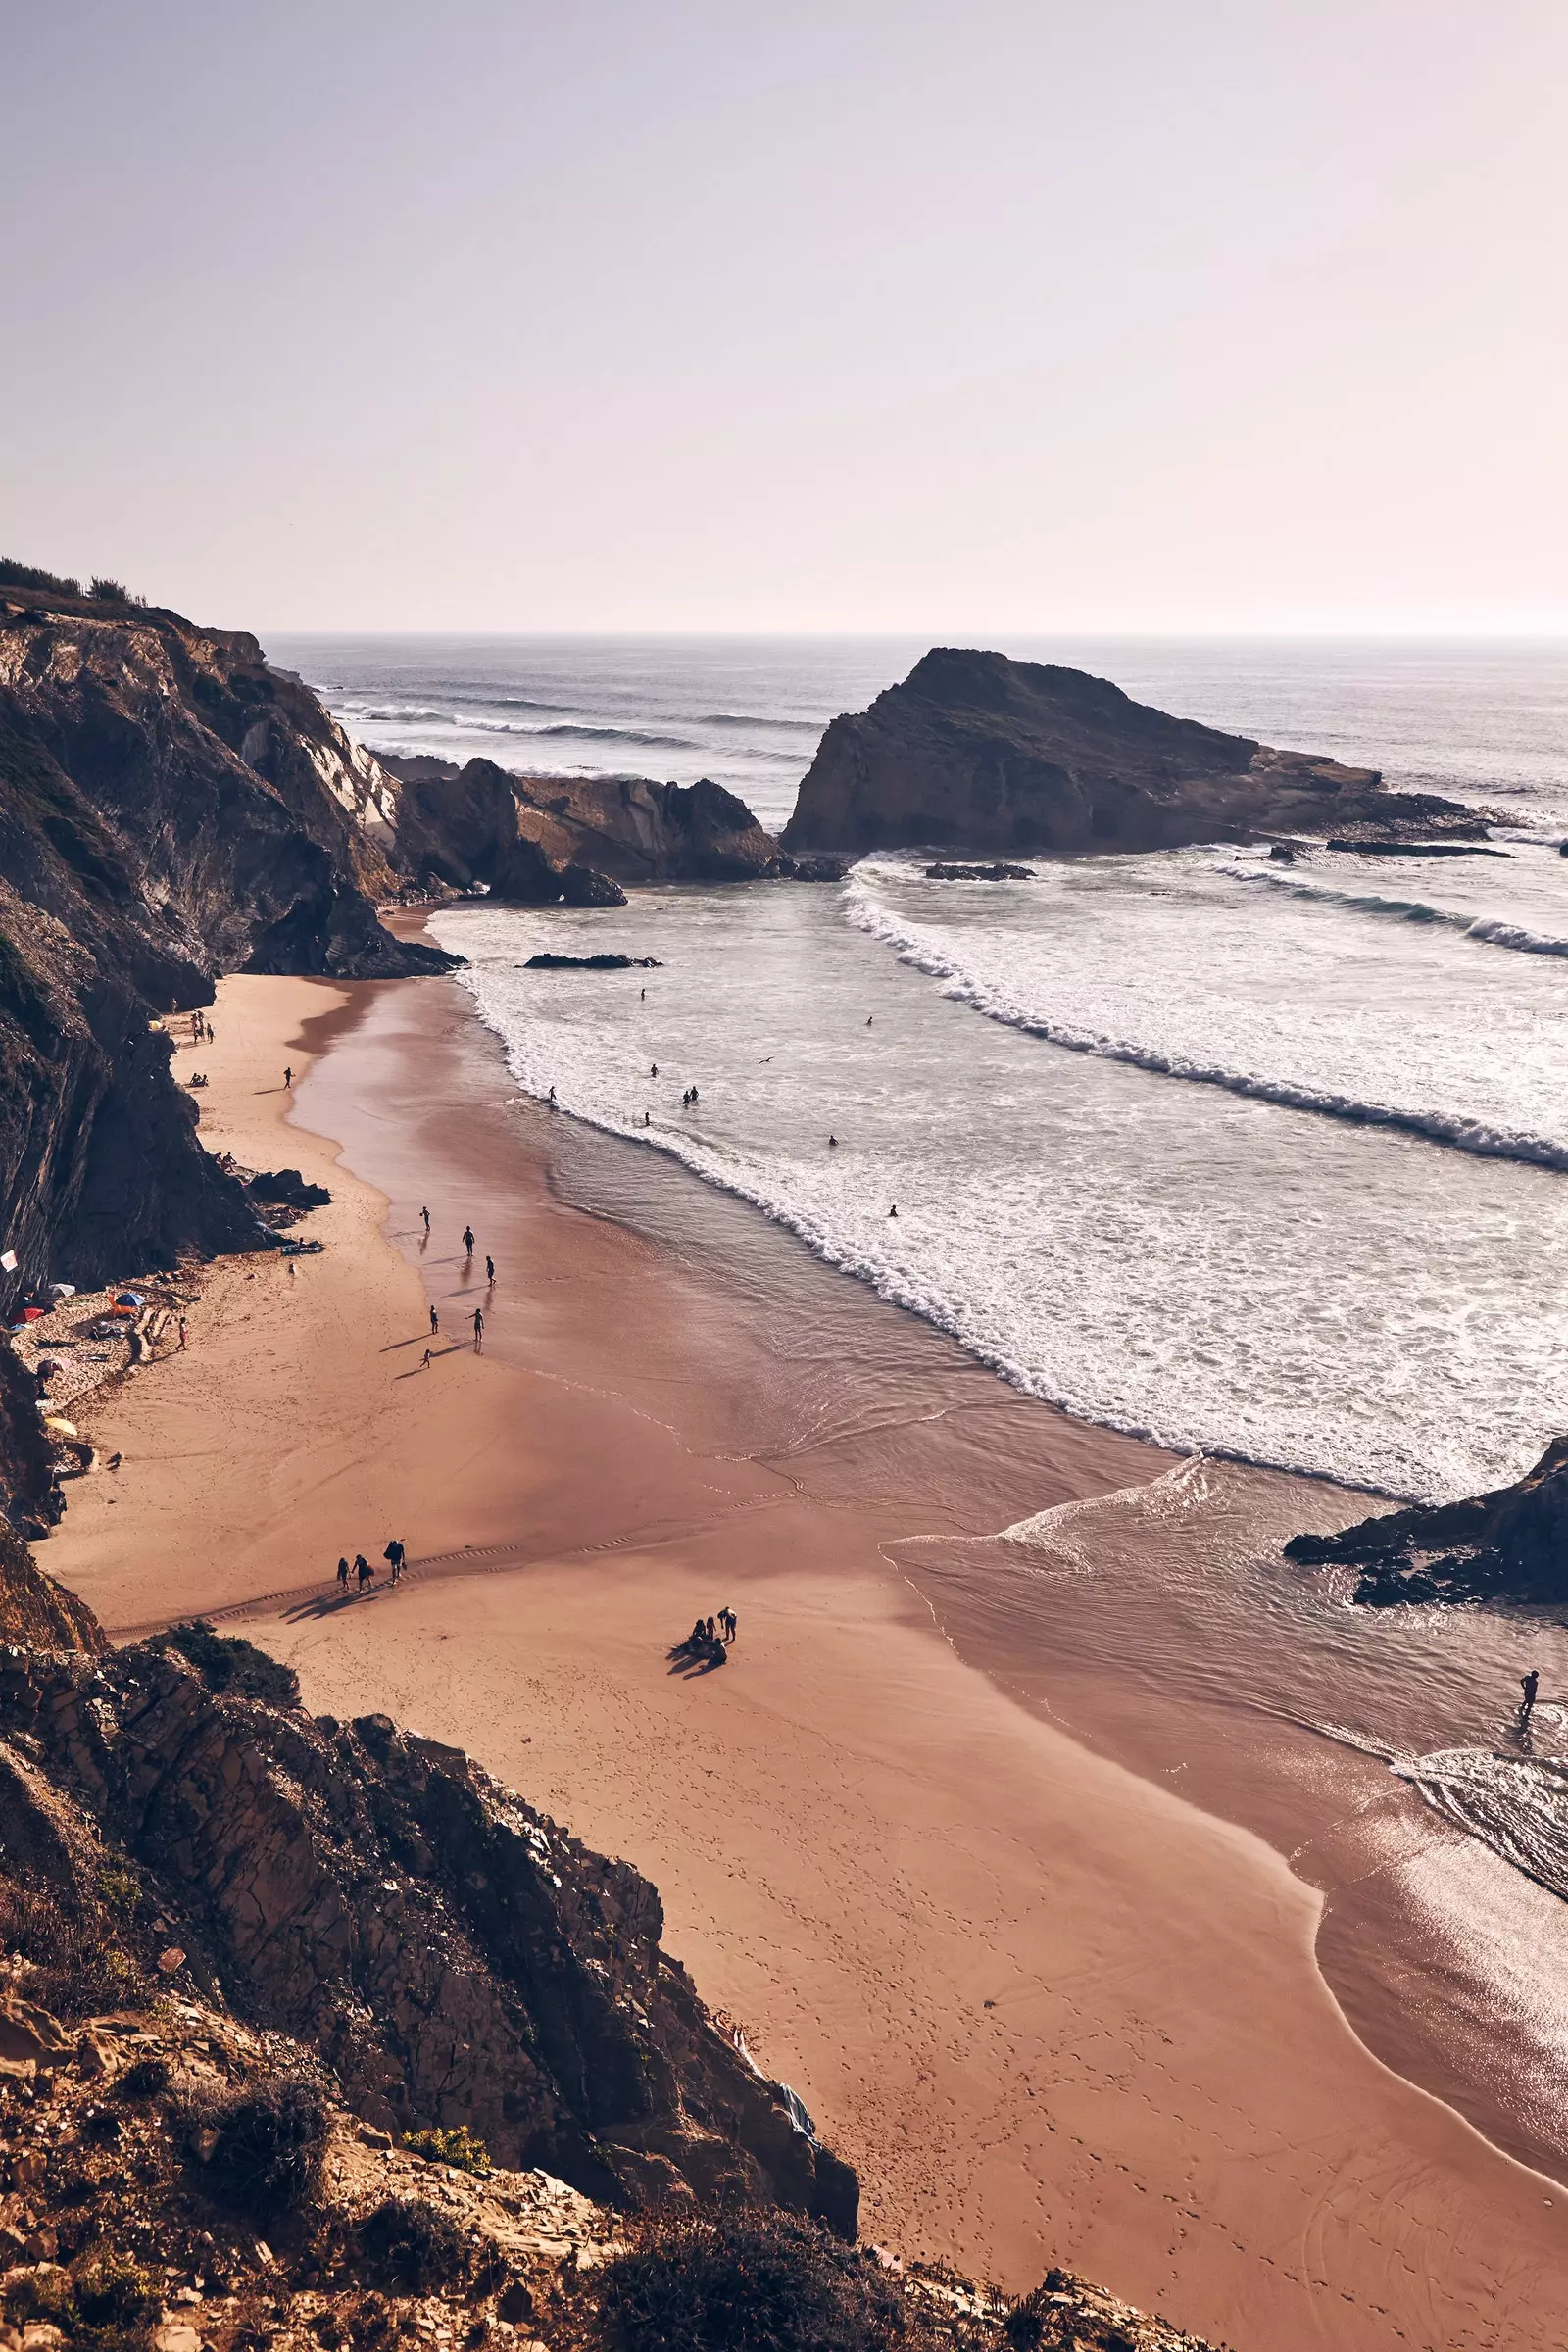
[210, 797]
[523, 835]
[169, 809]
[450, 1954]
[1511, 1545]
[975, 752]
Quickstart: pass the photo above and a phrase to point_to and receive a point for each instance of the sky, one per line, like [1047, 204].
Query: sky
[1187, 315]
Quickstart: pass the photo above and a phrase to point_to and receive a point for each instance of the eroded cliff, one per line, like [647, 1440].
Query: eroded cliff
[531, 839]
[171, 809]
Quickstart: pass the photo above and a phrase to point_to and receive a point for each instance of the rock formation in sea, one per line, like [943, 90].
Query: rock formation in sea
[976, 752]
[1511, 1545]
[525, 836]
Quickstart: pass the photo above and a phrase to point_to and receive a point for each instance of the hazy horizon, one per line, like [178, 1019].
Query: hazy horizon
[878, 319]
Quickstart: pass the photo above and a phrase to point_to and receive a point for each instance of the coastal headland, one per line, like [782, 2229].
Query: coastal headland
[1050, 2010]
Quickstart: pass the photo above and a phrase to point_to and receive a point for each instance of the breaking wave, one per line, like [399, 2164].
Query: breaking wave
[1489, 930]
[918, 948]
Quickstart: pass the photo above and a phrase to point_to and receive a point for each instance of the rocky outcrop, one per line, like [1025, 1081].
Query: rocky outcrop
[35, 1612]
[452, 1955]
[205, 796]
[1509, 1544]
[976, 752]
[169, 809]
[523, 836]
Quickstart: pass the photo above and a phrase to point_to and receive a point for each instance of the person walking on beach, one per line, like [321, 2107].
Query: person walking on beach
[425, 1365]
[426, 1214]
[479, 1329]
[468, 1239]
[490, 1271]
[435, 1323]
[1529, 1683]
[726, 1621]
[343, 1575]
[394, 1555]
[182, 1331]
[288, 1077]
[362, 1570]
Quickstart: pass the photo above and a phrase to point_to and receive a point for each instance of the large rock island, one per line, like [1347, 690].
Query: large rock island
[976, 752]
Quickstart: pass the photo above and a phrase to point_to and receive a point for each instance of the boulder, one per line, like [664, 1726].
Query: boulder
[1511, 1543]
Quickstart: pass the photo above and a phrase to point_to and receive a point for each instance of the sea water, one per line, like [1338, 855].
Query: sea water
[1261, 1160]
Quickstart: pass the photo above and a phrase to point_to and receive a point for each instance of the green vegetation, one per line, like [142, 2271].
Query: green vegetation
[104, 2303]
[458, 2146]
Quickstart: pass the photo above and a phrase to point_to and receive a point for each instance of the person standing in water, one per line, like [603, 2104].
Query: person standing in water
[490, 1270]
[1529, 1683]
[479, 1329]
[468, 1239]
[426, 1214]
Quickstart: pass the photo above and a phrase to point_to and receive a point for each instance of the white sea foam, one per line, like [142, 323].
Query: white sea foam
[1217, 1274]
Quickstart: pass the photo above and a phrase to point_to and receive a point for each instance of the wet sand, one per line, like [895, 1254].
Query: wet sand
[1053, 2011]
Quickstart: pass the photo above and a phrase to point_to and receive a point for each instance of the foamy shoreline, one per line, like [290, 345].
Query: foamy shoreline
[860, 1843]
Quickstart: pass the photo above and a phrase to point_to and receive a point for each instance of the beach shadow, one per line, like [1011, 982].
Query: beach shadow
[393, 1345]
[690, 1668]
[328, 1604]
[436, 1353]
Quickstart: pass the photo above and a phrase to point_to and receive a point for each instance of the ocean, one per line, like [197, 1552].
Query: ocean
[1249, 1159]
[1267, 1164]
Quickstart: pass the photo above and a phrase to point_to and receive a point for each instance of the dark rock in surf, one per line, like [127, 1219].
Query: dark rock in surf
[980, 873]
[590, 963]
[581, 885]
[1508, 1545]
[975, 752]
[1357, 846]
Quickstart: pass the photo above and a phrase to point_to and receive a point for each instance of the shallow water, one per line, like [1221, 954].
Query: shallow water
[1265, 1161]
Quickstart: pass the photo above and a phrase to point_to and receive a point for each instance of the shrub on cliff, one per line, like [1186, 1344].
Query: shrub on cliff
[457, 2147]
[226, 1663]
[262, 2147]
[104, 2303]
[31, 575]
[78, 1966]
[749, 2282]
[411, 2246]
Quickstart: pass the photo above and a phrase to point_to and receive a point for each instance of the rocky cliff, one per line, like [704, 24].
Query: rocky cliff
[528, 838]
[976, 752]
[169, 809]
[1511, 1545]
[451, 1956]
[312, 2036]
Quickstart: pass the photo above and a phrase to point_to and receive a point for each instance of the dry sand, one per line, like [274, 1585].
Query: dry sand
[1051, 2011]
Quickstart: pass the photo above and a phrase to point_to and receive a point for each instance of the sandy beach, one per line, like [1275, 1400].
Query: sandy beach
[1051, 2010]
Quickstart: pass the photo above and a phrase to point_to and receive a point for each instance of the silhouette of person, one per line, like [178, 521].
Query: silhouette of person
[468, 1239]
[1529, 1683]
[435, 1322]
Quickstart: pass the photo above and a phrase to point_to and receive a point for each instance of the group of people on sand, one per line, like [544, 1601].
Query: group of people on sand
[478, 1312]
[361, 1573]
[708, 1640]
